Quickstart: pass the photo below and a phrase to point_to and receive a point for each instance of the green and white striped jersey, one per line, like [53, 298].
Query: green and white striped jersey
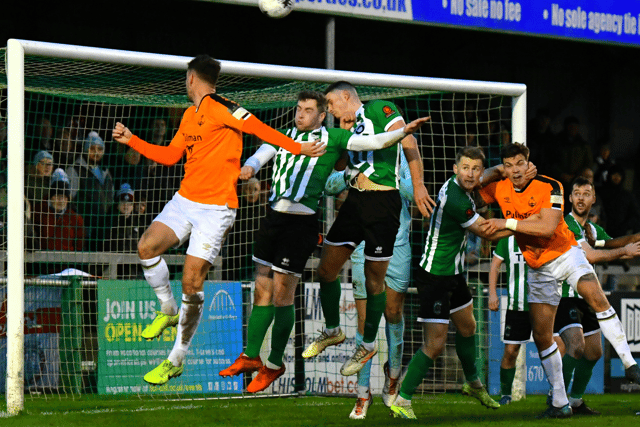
[447, 239]
[578, 230]
[302, 178]
[380, 166]
[516, 267]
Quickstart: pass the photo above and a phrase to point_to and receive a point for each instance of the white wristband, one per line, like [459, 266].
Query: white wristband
[599, 243]
[511, 224]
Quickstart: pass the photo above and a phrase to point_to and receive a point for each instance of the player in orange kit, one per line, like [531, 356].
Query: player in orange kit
[204, 208]
[533, 210]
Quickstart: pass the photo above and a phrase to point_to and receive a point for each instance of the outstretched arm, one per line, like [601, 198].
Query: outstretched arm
[630, 250]
[257, 160]
[167, 156]
[268, 134]
[540, 225]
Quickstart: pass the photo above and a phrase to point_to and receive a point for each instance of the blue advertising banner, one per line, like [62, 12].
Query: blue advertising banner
[536, 380]
[593, 20]
[124, 310]
[602, 21]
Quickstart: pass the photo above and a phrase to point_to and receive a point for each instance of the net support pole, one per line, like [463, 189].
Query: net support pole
[15, 219]
[519, 118]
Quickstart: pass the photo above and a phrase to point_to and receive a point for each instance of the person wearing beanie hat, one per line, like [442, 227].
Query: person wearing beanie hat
[58, 226]
[37, 181]
[125, 230]
[92, 189]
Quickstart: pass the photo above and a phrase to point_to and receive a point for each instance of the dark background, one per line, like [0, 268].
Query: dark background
[595, 82]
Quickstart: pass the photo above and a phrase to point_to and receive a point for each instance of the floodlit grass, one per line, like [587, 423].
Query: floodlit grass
[441, 410]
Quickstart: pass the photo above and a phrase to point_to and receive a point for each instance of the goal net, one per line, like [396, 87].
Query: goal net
[88, 199]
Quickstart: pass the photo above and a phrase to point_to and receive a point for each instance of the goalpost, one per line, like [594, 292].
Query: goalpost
[83, 327]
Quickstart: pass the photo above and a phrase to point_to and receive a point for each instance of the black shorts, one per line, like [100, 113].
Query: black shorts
[440, 296]
[285, 241]
[517, 327]
[574, 313]
[372, 216]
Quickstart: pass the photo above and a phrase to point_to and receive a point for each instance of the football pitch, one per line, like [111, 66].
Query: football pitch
[441, 410]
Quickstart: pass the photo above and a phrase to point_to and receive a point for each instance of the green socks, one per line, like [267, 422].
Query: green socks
[416, 372]
[283, 323]
[375, 309]
[581, 377]
[330, 302]
[259, 322]
[506, 380]
[466, 350]
[568, 366]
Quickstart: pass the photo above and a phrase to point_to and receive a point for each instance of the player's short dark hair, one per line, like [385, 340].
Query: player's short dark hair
[321, 101]
[581, 181]
[207, 68]
[341, 85]
[470, 152]
[513, 149]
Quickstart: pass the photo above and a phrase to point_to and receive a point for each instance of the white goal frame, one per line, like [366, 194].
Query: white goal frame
[16, 51]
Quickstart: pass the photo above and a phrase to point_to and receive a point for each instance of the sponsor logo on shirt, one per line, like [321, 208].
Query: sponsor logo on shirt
[516, 215]
[388, 111]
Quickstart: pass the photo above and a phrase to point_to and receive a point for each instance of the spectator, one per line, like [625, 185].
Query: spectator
[620, 208]
[572, 155]
[57, 225]
[541, 140]
[124, 230]
[92, 189]
[65, 148]
[237, 259]
[141, 208]
[39, 177]
[41, 137]
[604, 162]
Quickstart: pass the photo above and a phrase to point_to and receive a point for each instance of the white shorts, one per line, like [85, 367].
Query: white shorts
[206, 226]
[545, 282]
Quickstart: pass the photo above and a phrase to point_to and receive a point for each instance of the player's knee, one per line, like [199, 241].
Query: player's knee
[145, 251]
[510, 356]
[593, 353]
[393, 314]
[325, 274]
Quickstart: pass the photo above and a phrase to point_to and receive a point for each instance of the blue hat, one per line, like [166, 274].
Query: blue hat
[125, 193]
[41, 155]
[59, 183]
[93, 139]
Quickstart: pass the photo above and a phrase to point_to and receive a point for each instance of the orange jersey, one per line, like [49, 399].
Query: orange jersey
[541, 193]
[211, 137]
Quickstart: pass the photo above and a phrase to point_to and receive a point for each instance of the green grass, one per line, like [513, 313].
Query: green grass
[441, 410]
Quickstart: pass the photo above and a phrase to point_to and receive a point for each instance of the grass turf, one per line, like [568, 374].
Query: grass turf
[441, 410]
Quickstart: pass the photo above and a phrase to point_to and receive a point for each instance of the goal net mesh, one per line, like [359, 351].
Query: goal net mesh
[86, 301]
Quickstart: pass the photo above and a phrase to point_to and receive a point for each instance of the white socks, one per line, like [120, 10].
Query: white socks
[614, 333]
[190, 315]
[156, 272]
[552, 365]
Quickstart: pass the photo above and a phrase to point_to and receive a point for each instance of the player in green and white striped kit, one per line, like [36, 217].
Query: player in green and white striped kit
[371, 213]
[576, 327]
[441, 283]
[517, 326]
[289, 233]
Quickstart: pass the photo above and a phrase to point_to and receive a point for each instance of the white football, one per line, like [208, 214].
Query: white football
[276, 8]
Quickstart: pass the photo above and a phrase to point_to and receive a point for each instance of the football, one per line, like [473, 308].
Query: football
[276, 8]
